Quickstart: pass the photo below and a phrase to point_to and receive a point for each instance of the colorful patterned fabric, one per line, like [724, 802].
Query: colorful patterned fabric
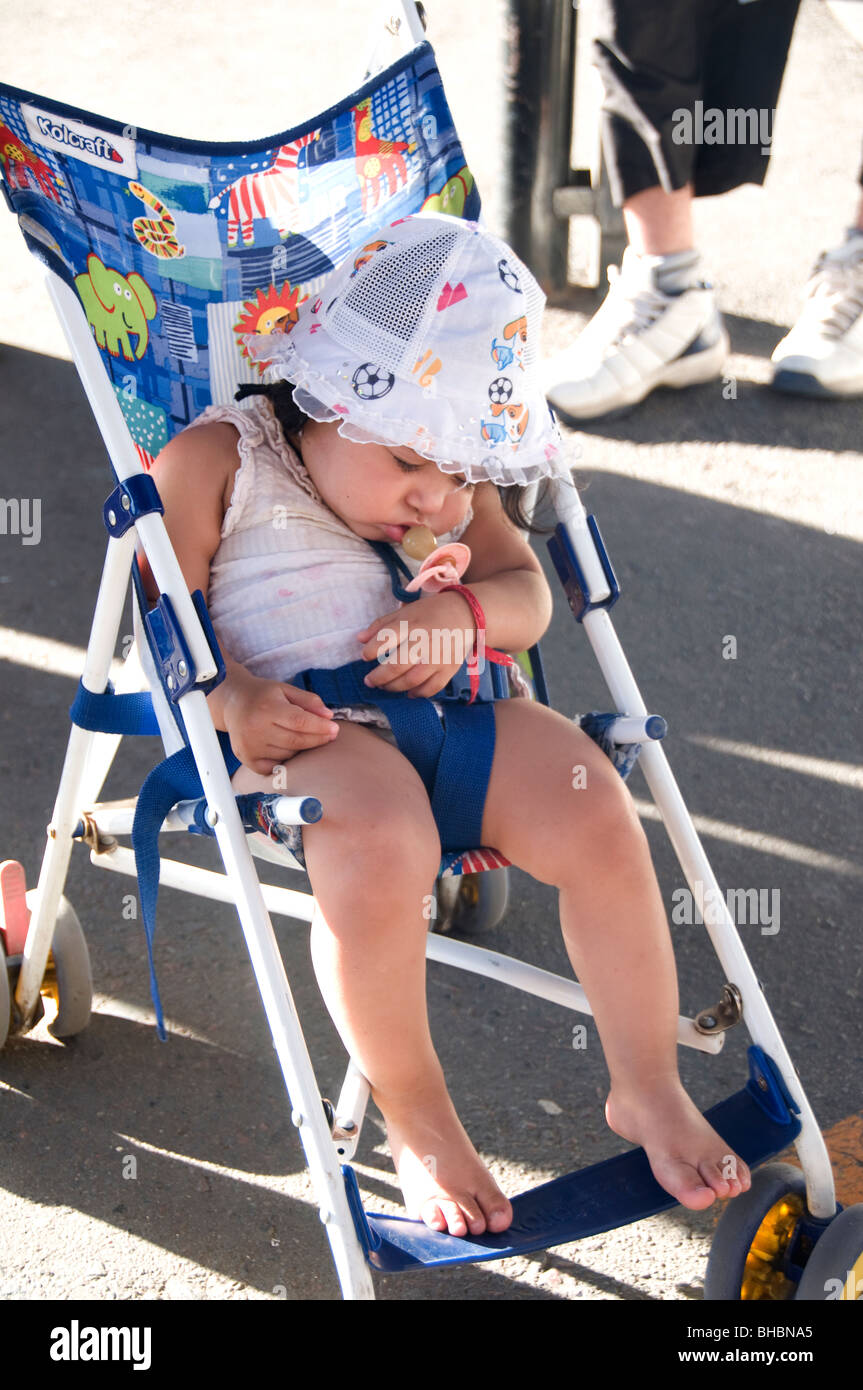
[178, 248]
[471, 861]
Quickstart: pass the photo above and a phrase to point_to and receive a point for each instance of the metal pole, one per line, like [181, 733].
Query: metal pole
[539, 94]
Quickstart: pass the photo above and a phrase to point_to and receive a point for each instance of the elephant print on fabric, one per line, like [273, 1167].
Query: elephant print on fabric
[116, 305]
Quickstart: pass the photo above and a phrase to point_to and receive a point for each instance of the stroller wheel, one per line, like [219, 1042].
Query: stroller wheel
[67, 979]
[834, 1270]
[5, 999]
[753, 1256]
[481, 902]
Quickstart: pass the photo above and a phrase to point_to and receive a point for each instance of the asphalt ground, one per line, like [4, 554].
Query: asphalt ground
[728, 512]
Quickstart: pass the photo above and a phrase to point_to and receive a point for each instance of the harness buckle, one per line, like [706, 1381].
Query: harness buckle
[169, 645]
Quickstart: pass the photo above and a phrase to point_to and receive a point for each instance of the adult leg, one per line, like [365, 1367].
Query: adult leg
[659, 222]
[659, 325]
[664, 64]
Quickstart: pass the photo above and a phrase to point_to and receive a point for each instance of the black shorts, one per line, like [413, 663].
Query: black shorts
[659, 59]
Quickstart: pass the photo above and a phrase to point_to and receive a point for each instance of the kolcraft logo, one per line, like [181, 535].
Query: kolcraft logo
[81, 141]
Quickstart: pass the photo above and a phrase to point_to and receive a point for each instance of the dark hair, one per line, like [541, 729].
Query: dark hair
[291, 418]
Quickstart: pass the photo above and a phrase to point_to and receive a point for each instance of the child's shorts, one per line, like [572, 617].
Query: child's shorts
[374, 718]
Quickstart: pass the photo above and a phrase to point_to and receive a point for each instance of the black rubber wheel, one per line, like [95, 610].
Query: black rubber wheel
[834, 1270]
[753, 1234]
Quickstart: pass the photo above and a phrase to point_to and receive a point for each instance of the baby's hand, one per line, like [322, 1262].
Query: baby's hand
[421, 645]
[269, 721]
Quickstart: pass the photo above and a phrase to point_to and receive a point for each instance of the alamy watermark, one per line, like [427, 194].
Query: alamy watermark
[21, 516]
[755, 907]
[439, 646]
[713, 126]
[77, 1343]
[850, 1288]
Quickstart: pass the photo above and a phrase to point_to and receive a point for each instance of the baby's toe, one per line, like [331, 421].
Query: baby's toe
[684, 1181]
[735, 1174]
[443, 1215]
[433, 1217]
[498, 1214]
[715, 1174]
[729, 1176]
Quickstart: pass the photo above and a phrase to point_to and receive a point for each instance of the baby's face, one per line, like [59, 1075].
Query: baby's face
[380, 491]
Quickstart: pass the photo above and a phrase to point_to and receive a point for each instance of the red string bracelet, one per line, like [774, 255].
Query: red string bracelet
[499, 658]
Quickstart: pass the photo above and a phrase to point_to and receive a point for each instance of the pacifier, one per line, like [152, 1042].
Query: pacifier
[418, 542]
[444, 566]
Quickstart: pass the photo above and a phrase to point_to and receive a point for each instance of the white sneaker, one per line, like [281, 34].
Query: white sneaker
[640, 337]
[823, 353]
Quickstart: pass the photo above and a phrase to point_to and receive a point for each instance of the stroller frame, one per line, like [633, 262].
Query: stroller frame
[329, 1141]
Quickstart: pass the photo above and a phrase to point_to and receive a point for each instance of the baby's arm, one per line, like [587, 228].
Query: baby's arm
[505, 576]
[268, 721]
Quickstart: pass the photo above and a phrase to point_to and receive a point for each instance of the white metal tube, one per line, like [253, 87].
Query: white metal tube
[570, 511]
[103, 749]
[635, 728]
[399, 21]
[207, 883]
[112, 426]
[117, 818]
[412, 21]
[351, 1106]
[55, 861]
[295, 810]
[476, 959]
[543, 984]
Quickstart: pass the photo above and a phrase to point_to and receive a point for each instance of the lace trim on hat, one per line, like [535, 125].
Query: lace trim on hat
[311, 390]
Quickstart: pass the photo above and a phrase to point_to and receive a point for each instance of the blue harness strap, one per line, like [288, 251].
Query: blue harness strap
[454, 761]
[396, 566]
[175, 779]
[109, 713]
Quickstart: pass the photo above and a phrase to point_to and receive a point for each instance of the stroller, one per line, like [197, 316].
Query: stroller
[160, 256]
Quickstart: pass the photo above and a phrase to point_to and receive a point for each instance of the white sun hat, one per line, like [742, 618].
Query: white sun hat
[428, 337]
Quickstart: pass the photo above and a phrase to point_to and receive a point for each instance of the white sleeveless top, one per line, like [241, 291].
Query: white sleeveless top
[291, 584]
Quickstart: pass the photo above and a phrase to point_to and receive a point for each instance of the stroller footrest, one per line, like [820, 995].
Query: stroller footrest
[600, 1198]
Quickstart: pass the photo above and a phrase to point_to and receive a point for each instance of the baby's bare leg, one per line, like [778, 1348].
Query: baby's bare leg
[579, 831]
[372, 861]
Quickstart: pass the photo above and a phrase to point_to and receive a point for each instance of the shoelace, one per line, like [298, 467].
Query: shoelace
[835, 292]
[629, 309]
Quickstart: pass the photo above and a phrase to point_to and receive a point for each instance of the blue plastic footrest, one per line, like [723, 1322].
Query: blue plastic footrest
[600, 1198]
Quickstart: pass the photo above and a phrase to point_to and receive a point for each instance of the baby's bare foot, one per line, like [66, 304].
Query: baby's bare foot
[444, 1180]
[687, 1157]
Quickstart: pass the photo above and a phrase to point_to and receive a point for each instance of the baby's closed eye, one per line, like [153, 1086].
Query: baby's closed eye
[458, 478]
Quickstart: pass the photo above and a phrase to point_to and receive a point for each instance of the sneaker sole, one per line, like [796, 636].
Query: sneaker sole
[696, 366]
[805, 384]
